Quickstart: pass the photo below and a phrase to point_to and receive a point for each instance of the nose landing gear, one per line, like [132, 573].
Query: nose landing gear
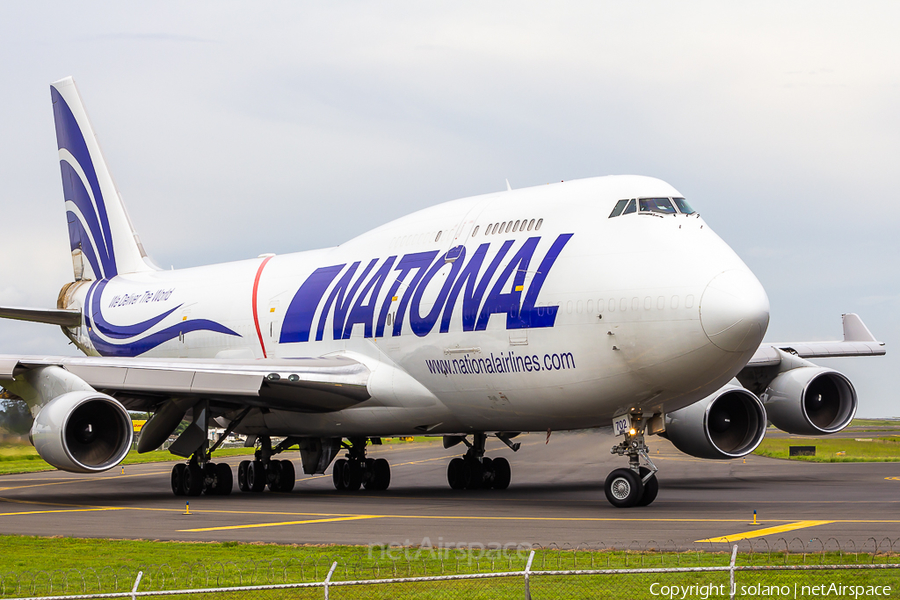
[636, 485]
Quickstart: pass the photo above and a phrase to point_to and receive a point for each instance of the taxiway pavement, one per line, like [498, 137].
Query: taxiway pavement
[556, 497]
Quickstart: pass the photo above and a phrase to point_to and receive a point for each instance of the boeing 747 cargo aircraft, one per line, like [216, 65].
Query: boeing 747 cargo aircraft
[604, 302]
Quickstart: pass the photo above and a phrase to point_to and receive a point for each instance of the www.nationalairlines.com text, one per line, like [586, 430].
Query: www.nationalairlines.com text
[506, 362]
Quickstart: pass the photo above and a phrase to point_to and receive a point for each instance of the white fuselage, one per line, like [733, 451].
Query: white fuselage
[579, 320]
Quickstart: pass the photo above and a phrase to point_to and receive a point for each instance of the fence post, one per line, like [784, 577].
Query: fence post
[137, 582]
[527, 576]
[328, 578]
[731, 573]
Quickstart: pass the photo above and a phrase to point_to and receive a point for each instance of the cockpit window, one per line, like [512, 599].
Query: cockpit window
[620, 206]
[630, 208]
[683, 206]
[657, 205]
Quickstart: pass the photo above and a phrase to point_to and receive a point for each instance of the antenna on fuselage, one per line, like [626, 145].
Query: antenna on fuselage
[508, 187]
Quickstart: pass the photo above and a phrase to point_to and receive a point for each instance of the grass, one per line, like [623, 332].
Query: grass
[881, 449]
[70, 565]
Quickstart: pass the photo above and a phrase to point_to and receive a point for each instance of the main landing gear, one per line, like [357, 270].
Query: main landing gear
[637, 485]
[201, 476]
[356, 470]
[264, 471]
[193, 479]
[475, 471]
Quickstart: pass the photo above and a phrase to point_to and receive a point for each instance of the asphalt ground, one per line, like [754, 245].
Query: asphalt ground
[556, 497]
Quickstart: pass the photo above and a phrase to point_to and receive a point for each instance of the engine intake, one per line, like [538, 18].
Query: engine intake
[729, 423]
[83, 432]
[810, 401]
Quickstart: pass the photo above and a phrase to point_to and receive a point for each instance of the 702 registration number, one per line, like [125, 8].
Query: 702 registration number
[621, 424]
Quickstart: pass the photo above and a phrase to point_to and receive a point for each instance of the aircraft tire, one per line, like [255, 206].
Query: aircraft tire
[487, 473]
[502, 473]
[243, 482]
[288, 476]
[455, 470]
[337, 474]
[352, 476]
[178, 479]
[192, 483]
[224, 479]
[651, 488]
[381, 474]
[623, 488]
[473, 475]
[256, 476]
[273, 476]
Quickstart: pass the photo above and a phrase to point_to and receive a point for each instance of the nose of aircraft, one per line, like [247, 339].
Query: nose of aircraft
[734, 311]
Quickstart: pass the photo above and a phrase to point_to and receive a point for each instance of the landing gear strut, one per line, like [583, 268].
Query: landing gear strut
[356, 470]
[474, 471]
[636, 485]
[200, 475]
[264, 471]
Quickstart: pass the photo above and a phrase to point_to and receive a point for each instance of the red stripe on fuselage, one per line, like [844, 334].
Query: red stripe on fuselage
[259, 271]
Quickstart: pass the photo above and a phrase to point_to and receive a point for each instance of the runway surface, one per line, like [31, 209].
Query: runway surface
[556, 496]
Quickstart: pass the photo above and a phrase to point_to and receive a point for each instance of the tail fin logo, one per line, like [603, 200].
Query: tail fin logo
[86, 212]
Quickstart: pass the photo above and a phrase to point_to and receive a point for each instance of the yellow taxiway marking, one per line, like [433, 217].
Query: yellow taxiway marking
[307, 522]
[766, 531]
[893, 478]
[69, 510]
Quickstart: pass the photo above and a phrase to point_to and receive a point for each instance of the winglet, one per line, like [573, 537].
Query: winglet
[855, 330]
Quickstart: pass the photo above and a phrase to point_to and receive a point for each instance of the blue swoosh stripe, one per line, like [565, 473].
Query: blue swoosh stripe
[136, 347]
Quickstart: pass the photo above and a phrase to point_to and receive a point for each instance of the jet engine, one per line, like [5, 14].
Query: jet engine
[729, 423]
[810, 401]
[83, 432]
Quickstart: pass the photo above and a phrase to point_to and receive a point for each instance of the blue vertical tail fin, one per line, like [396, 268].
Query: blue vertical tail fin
[103, 241]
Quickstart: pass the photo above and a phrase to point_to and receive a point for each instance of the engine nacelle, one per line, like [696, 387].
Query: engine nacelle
[729, 423]
[810, 401]
[83, 432]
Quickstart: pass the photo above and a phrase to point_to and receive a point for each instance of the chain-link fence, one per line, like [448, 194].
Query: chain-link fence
[753, 569]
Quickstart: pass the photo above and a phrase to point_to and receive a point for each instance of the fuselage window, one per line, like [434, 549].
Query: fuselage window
[508, 226]
[502, 225]
[475, 231]
[630, 208]
[620, 206]
[657, 205]
[539, 223]
[530, 224]
[516, 226]
[612, 305]
[438, 236]
[683, 206]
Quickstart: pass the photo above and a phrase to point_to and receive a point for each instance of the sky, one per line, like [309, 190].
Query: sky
[234, 129]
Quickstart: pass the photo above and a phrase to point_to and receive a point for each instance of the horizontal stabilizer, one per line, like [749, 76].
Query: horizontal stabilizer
[53, 316]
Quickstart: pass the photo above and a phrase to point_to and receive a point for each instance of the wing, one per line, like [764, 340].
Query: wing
[858, 341]
[301, 384]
